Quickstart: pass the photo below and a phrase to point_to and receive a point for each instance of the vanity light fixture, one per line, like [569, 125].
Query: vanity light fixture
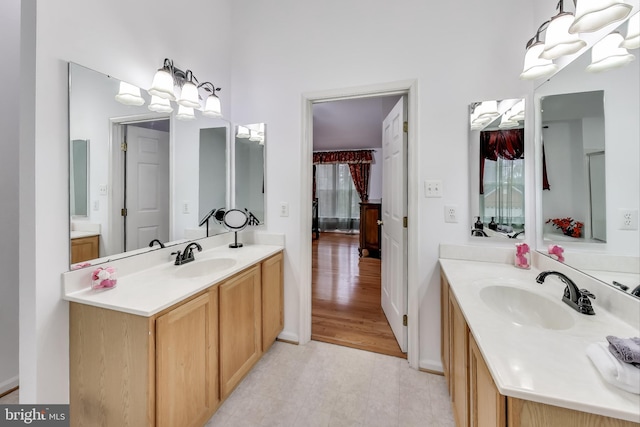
[558, 40]
[608, 54]
[160, 105]
[129, 95]
[242, 132]
[487, 110]
[185, 113]
[632, 41]
[253, 136]
[169, 76]
[593, 15]
[261, 129]
[516, 113]
[536, 67]
[506, 123]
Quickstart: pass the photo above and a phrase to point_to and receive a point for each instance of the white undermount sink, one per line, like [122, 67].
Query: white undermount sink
[524, 307]
[203, 267]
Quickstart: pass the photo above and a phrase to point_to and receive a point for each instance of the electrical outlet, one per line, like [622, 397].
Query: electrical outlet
[284, 209]
[185, 207]
[450, 213]
[433, 188]
[628, 219]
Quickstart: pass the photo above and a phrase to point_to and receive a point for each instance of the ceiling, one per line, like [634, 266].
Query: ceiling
[350, 123]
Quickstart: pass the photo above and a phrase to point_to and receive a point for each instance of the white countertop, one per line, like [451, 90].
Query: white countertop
[532, 363]
[151, 290]
[79, 234]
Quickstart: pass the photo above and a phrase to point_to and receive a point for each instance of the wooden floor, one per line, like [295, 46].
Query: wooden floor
[346, 306]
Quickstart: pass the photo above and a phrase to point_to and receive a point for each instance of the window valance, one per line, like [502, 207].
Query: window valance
[345, 156]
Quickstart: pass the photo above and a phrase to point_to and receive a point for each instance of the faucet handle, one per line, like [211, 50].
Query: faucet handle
[177, 254]
[584, 303]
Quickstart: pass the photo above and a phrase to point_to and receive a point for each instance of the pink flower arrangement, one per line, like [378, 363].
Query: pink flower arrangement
[556, 251]
[103, 278]
[522, 255]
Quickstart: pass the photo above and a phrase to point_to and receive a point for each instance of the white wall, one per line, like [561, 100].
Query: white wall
[120, 38]
[458, 53]
[9, 152]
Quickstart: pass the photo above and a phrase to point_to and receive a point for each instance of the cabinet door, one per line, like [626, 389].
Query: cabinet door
[240, 328]
[445, 342]
[459, 334]
[487, 407]
[85, 248]
[272, 300]
[186, 363]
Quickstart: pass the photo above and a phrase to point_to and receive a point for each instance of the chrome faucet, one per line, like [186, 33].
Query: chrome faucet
[636, 291]
[578, 299]
[187, 254]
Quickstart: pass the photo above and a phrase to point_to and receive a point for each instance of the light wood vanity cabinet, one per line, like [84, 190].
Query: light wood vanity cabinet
[240, 328]
[475, 398]
[175, 367]
[85, 248]
[187, 362]
[272, 299]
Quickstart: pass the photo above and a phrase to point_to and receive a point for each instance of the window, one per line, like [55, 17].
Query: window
[503, 197]
[338, 200]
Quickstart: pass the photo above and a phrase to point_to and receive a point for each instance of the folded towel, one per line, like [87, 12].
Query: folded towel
[625, 349]
[615, 372]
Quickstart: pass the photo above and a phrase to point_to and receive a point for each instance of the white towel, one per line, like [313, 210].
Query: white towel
[620, 374]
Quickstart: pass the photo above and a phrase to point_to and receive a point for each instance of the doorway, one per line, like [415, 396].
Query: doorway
[349, 300]
[140, 200]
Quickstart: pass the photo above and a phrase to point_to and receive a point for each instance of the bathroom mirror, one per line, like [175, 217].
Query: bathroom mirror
[79, 178]
[607, 252]
[496, 144]
[250, 141]
[160, 149]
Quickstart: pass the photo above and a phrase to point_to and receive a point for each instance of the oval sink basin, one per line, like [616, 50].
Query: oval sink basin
[524, 307]
[203, 267]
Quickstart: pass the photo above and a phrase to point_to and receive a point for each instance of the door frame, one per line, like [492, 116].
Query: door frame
[404, 87]
[115, 180]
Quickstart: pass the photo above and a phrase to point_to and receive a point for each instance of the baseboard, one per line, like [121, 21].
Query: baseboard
[431, 366]
[8, 385]
[289, 337]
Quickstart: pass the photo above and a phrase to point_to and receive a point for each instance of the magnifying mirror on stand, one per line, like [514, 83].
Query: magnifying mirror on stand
[235, 220]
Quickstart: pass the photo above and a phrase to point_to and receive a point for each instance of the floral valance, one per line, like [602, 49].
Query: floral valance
[345, 156]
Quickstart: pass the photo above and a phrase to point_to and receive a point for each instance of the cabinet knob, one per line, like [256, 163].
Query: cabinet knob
[379, 222]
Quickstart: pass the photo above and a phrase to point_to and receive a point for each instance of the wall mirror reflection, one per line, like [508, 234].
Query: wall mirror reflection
[141, 181]
[497, 168]
[574, 165]
[249, 154]
[79, 177]
[608, 250]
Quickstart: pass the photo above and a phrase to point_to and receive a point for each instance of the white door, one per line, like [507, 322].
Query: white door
[394, 210]
[147, 187]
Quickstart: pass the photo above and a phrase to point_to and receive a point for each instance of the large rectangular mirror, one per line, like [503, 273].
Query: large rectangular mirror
[143, 171]
[249, 169]
[496, 144]
[595, 179]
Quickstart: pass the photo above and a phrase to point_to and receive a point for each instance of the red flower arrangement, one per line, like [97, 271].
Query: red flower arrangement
[569, 226]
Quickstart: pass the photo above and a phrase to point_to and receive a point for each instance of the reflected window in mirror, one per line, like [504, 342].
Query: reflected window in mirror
[497, 171]
[573, 145]
[249, 169]
[79, 178]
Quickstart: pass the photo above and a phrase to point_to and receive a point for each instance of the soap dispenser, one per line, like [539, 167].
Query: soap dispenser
[479, 225]
[492, 224]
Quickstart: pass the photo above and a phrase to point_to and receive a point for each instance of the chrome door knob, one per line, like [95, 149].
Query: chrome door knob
[379, 222]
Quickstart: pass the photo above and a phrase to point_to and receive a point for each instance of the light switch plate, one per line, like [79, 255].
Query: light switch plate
[103, 189]
[433, 188]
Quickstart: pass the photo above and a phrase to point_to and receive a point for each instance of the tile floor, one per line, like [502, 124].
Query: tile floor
[326, 385]
[322, 384]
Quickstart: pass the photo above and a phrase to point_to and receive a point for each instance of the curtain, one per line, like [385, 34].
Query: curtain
[359, 162]
[545, 179]
[338, 200]
[502, 176]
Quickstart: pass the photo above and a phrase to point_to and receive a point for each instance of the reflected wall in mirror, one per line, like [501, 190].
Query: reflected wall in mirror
[158, 165]
[618, 257]
[79, 178]
[574, 196]
[213, 174]
[497, 168]
[249, 169]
